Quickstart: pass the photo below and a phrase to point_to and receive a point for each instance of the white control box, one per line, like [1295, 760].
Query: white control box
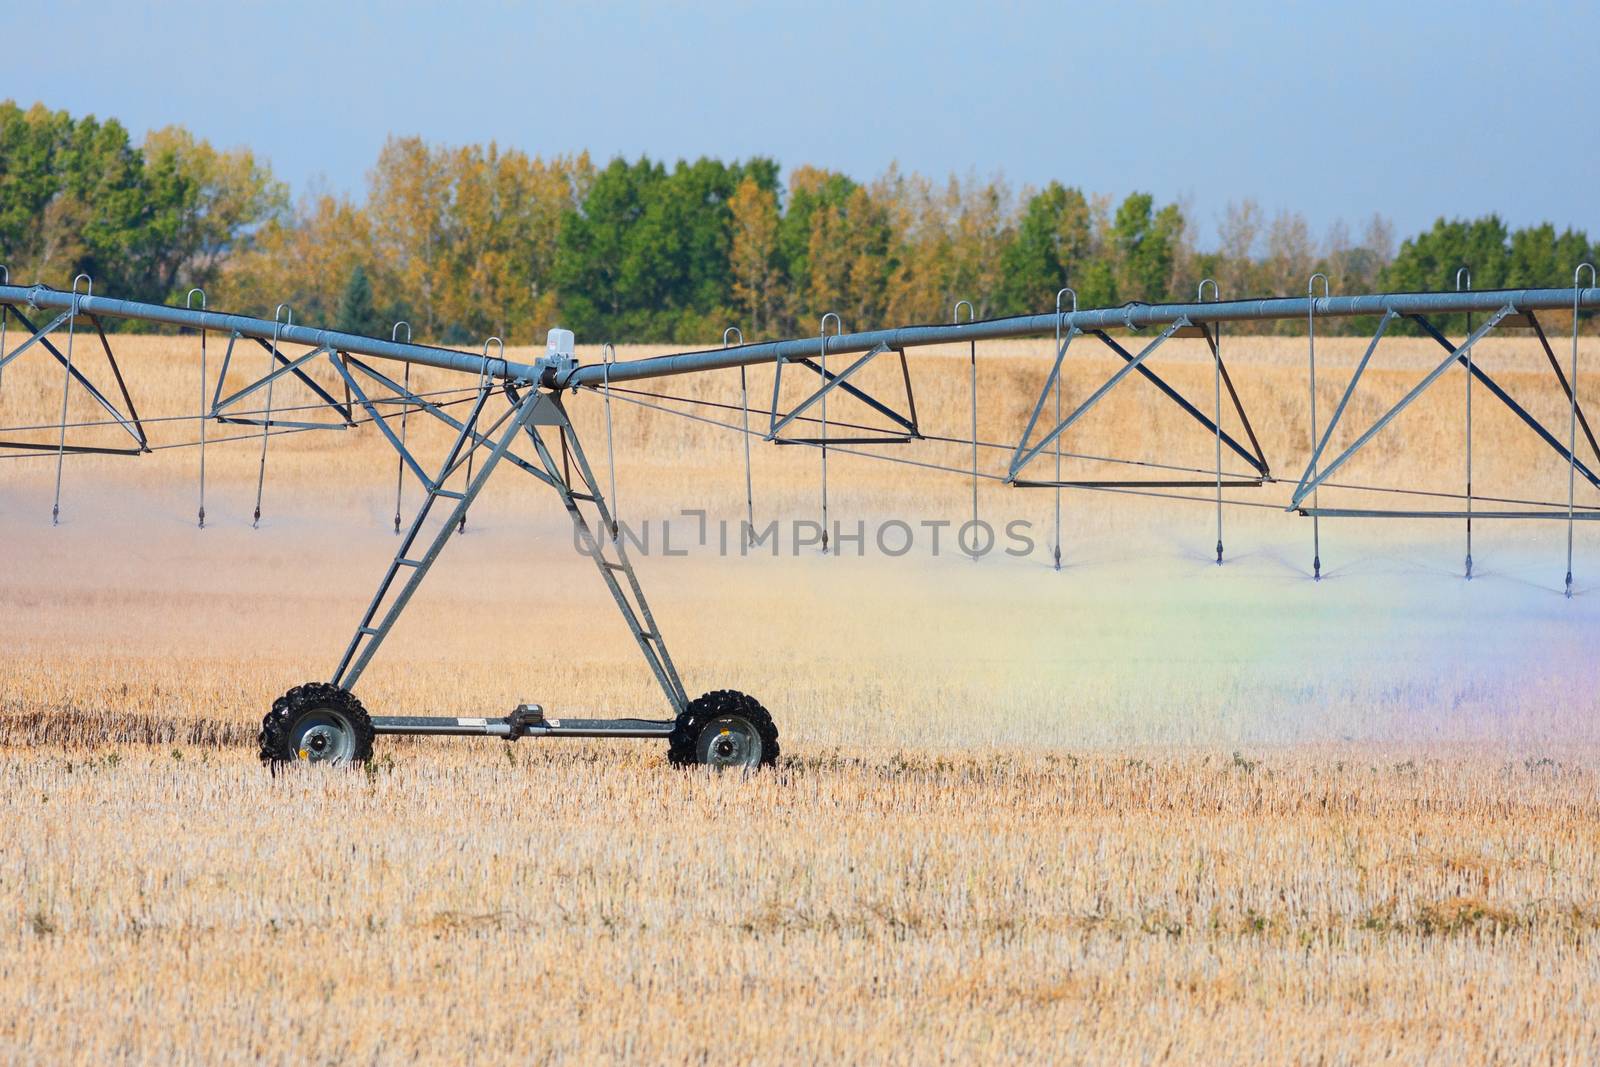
[559, 349]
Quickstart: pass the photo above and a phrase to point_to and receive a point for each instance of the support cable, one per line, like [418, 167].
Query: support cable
[404, 401]
[5, 314]
[485, 388]
[1464, 284]
[1214, 341]
[822, 331]
[962, 471]
[1123, 491]
[251, 436]
[972, 359]
[624, 394]
[1060, 372]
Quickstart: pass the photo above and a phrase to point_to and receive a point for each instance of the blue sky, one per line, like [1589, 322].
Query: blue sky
[1414, 110]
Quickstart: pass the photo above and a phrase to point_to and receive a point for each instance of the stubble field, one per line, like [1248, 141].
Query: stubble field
[1142, 810]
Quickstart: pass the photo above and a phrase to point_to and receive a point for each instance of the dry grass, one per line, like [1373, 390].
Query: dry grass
[1142, 811]
[468, 904]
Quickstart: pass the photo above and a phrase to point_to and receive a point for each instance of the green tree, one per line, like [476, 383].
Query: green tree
[1540, 258]
[1496, 258]
[357, 312]
[75, 199]
[1145, 242]
[1429, 261]
[1053, 243]
[646, 255]
[77, 196]
[811, 190]
[849, 261]
[206, 205]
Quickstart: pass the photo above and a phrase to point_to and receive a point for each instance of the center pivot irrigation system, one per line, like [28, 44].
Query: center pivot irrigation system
[324, 721]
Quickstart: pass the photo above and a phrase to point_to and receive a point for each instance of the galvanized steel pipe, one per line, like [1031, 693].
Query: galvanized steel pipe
[1135, 315]
[1131, 315]
[39, 296]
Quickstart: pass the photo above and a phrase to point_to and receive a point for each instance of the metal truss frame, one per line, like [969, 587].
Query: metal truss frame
[283, 365]
[535, 415]
[129, 422]
[1507, 316]
[909, 429]
[404, 398]
[1025, 454]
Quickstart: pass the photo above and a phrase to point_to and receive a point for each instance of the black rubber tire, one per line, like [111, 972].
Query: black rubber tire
[302, 700]
[683, 744]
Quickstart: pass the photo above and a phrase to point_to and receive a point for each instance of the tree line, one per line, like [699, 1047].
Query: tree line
[467, 241]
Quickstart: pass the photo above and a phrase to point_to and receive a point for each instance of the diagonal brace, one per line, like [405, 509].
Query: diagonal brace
[134, 428]
[1307, 485]
[38, 335]
[635, 610]
[1566, 387]
[1344, 400]
[1111, 383]
[832, 381]
[407, 397]
[294, 367]
[353, 665]
[289, 367]
[1238, 406]
[1516, 409]
[1256, 460]
[1044, 395]
[337, 359]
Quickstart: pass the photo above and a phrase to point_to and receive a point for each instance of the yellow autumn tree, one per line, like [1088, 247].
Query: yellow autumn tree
[981, 220]
[917, 288]
[755, 243]
[303, 260]
[848, 258]
[469, 234]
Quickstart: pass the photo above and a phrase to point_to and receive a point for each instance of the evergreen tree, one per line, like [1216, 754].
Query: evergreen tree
[357, 314]
[1496, 258]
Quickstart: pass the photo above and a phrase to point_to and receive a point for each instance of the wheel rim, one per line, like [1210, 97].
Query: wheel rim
[323, 736]
[729, 742]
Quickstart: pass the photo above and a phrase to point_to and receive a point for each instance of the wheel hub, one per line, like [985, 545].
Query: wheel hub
[324, 736]
[730, 742]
